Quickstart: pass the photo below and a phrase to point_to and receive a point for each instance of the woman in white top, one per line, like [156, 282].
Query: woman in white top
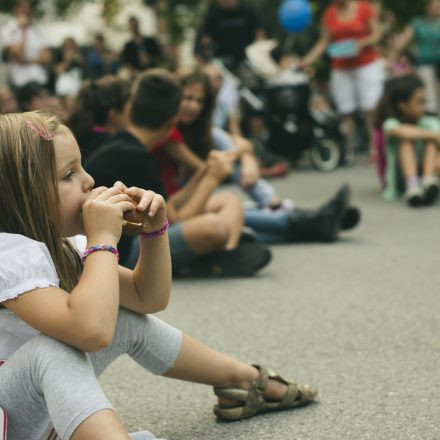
[61, 323]
[25, 48]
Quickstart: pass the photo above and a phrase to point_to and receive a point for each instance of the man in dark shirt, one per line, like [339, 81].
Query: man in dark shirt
[203, 224]
[141, 53]
[227, 29]
[124, 158]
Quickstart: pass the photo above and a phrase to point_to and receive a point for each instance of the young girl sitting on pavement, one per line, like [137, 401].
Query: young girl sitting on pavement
[64, 319]
[411, 142]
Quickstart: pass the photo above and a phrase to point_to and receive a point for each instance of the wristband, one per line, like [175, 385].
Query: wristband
[99, 247]
[157, 233]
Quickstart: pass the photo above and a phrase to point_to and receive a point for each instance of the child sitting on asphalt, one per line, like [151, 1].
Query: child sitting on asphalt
[411, 142]
[64, 317]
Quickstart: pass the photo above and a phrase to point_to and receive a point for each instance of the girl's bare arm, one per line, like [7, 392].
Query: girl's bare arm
[146, 289]
[182, 154]
[189, 202]
[373, 37]
[413, 133]
[86, 317]
[318, 49]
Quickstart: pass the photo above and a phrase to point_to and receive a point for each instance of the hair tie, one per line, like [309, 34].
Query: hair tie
[48, 136]
[158, 232]
[99, 129]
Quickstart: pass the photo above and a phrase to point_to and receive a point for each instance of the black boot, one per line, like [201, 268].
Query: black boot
[243, 261]
[322, 224]
[351, 218]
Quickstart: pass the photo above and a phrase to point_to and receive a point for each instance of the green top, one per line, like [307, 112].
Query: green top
[427, 38]
[392, 191]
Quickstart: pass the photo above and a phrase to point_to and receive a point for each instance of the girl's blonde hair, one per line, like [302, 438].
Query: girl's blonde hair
[29, 202]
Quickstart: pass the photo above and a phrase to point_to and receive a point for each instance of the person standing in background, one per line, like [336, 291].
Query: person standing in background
[425, 32]
[141, 53]
[227, 29]
[100, 60]
[349, 32]
[24, 48]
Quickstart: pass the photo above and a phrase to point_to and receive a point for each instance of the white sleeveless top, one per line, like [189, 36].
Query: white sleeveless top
[25, 265]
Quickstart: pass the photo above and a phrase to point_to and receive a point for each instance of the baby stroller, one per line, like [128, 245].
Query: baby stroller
[297, 120]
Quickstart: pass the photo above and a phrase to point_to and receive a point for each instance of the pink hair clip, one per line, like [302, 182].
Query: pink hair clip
[48, 136]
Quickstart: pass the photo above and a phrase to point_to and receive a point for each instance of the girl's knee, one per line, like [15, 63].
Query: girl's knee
[50, 354]
[44, 346]
[206, 233]
[228, 198]
[129, 322]
[406, 143]
[215, 231]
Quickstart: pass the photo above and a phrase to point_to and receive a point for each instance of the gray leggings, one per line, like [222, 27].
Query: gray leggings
[46, 381]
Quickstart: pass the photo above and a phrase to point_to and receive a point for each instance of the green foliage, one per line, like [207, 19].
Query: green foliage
[181, 14]
[405, 10]
[8, 5]
[110, 9]
[63, 6]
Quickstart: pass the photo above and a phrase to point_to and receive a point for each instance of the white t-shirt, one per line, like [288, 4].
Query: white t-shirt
[21, 74]
[25, 265]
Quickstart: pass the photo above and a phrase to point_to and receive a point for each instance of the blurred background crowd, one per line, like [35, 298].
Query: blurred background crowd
[289, 77]
[72, 41]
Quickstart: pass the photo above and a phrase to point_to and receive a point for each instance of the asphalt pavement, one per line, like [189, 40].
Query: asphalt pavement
[359, 318]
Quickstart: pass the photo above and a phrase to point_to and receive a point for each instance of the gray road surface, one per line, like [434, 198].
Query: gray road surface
[359, 318]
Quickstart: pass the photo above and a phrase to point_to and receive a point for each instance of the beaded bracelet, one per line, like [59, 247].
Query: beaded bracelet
[157, 233]
[99, 247]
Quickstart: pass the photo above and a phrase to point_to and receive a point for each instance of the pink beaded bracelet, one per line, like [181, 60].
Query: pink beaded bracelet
[99, 247]
[157, 233]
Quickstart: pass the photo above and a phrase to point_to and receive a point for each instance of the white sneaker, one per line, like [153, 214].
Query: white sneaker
[287, 204]
[144, 435]
[415, 196]
[3, 424]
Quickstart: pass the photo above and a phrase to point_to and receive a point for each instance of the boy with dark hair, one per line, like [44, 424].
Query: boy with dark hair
[155, 100]
[206, 229]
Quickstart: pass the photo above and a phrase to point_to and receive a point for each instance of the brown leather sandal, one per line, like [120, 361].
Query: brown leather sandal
[253, 401]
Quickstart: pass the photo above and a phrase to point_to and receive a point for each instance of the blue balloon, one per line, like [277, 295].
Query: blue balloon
[294, 15]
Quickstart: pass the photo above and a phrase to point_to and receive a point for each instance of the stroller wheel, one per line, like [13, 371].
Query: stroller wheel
[325, 154]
